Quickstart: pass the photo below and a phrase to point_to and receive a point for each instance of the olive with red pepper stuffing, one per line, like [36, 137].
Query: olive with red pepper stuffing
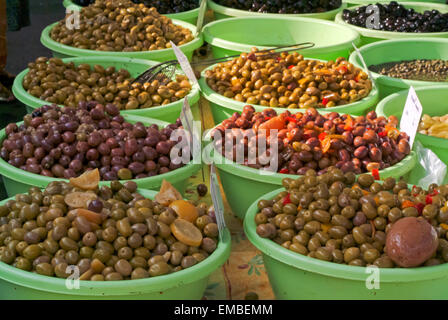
[307, 140]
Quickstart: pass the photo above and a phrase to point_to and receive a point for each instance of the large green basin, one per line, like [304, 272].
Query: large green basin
[371, 35]
[17, 180]
[222, 12]
[188, 284]
[169, 112]
[294, 276]
[398, 50]
[331, 39]
[63, 51]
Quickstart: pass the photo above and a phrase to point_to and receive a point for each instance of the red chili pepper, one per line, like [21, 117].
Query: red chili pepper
[291, 66]
[284, 170]
[342, 69]
[252, 56]
[376, 174]
[382, 133]
[419, 206]
[428, 199]
[434, 193]
[325, 101]
[287, 199]
[322, 136]
[291, 119]
[267, 118]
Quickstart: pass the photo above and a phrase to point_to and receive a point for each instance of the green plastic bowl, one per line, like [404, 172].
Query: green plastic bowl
[190, 16]
[222, 12]
[433, 99]
[331, 39]
[242, 184]
[17, 180]
[398, 50]
[188, 284]
[63, 51]
[223, 107]
[371, 35]
[295, 276]
[169, 112]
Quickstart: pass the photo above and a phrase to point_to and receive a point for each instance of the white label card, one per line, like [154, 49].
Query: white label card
[217, 201]
[364, 64]
[187, 120]
[410, 118]
[184, 64]
[201, 16]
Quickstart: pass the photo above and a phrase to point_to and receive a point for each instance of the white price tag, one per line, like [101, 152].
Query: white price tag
[410, 118]
[217, 201]
[187, 120]
[364, 64]
[184, 63]
[201, 16]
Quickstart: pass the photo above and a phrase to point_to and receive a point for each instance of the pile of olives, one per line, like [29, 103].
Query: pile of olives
[109, 233]
[341, 218]
[108, 25]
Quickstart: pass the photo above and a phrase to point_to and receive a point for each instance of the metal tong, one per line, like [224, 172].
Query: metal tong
[165, 71]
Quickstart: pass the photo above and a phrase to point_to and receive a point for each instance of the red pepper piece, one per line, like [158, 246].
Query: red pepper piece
[252, 56]
[284, 170]
[382, 133]
[376, 174]
[428, 199]
[434, 193]
[287, 199]
[267, 118]
[342, 69]
[419, 206]
[325, 101]
[322, 136]
[291, 119]
[291, 66]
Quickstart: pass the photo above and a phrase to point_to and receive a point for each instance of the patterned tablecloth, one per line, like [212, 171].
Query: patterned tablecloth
[243, 276]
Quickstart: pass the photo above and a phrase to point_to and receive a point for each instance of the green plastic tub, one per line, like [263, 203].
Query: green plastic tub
[63, 51]
[242, 184]
[222, 12]
[223, 107]
[433, 99]
[169, 112]
[295, 276]
[190, 16]
[397, 50]
[331, 39]
[188, 284]
[370, 35]
[19, 181]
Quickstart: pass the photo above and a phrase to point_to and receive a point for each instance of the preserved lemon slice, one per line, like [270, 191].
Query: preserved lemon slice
[89, 215]
[185, 210]
[88, 180]
[167, 194]
[79, 199]
[186, 232]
